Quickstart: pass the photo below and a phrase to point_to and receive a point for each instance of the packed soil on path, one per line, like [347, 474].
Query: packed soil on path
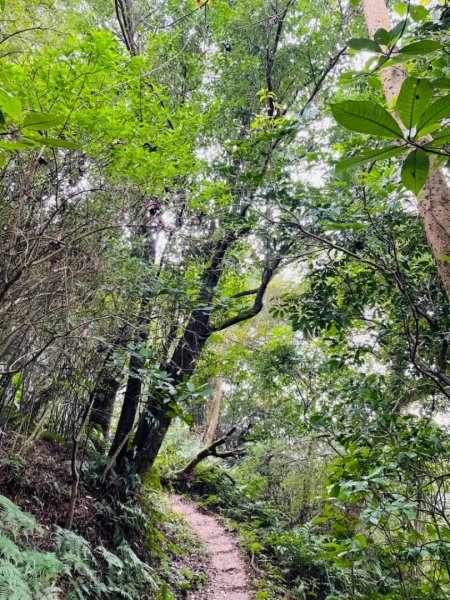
[227, 574]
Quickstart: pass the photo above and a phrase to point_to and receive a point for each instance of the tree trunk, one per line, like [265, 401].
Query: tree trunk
[213, 412]
[130, 402]
[305, 505]
[107, 385]
[104, 395]
[149, 437]
[154, 421]
[434, 207]
[137, 361]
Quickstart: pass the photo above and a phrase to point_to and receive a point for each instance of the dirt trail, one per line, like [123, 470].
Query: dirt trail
[227, 576]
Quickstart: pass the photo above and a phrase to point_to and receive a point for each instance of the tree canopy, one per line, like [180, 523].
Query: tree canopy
[229, 222]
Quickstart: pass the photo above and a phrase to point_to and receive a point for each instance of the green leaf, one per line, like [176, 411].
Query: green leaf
[421, 47]
[441, 138]
[397, 31]
[382, 37]
[188, 419]
[384, 62]
[363, 44]
[42, 121]
[436, 112]
[366, 117]
[401, 8]
[11, 105]
[369, 156]
[413, 100]
[359, 541]
[440, 161]
[441, 83]
[18, 145]
[343, 226]
[2, 118]
[418, 13]
[415, 170]
[375, 82]
[57, 143]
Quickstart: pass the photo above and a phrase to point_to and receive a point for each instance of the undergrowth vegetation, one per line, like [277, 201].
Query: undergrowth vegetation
[134, 548]
[27, 573]
[225, 270]
[71, 567]
[351, 544]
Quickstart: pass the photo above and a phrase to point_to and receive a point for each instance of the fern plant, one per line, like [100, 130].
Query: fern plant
[15, 521]
[9, 550]
[41, 568]
[13, 585]
[25, 573]
[29, 574]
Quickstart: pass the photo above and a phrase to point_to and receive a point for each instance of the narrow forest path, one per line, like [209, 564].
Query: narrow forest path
[227, 574]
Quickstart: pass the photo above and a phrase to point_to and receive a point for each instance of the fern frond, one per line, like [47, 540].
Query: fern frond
[142, 572]
[41, 567]
[15, 520]
[51, 592]
[87, 590]
[12, 583]
[120, 592]
[112, 560]
[68, 545]
[9, 550]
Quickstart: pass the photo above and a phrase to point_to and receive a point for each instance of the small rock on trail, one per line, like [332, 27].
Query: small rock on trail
[227, 575]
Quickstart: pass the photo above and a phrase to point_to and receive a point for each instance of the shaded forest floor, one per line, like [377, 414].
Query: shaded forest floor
[39, 483]
[226, 574]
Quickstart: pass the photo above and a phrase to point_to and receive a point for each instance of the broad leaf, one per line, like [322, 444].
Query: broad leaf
[57, 143]
[436, 112]
[413, 100]
[415, 170]
[440, 138]
[442, 83]
[366, 117]
[385, 62]
[421, 47]
[382, 37]
[369, 156]
[397, 31]
[17, 145]
[418, 13]
[363, 44]
[11, 105]
[43, 121]
[343, 226]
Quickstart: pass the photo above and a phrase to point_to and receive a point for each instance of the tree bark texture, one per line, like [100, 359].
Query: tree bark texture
[213, 412]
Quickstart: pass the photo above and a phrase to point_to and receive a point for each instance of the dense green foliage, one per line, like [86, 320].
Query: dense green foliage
[207, 229]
